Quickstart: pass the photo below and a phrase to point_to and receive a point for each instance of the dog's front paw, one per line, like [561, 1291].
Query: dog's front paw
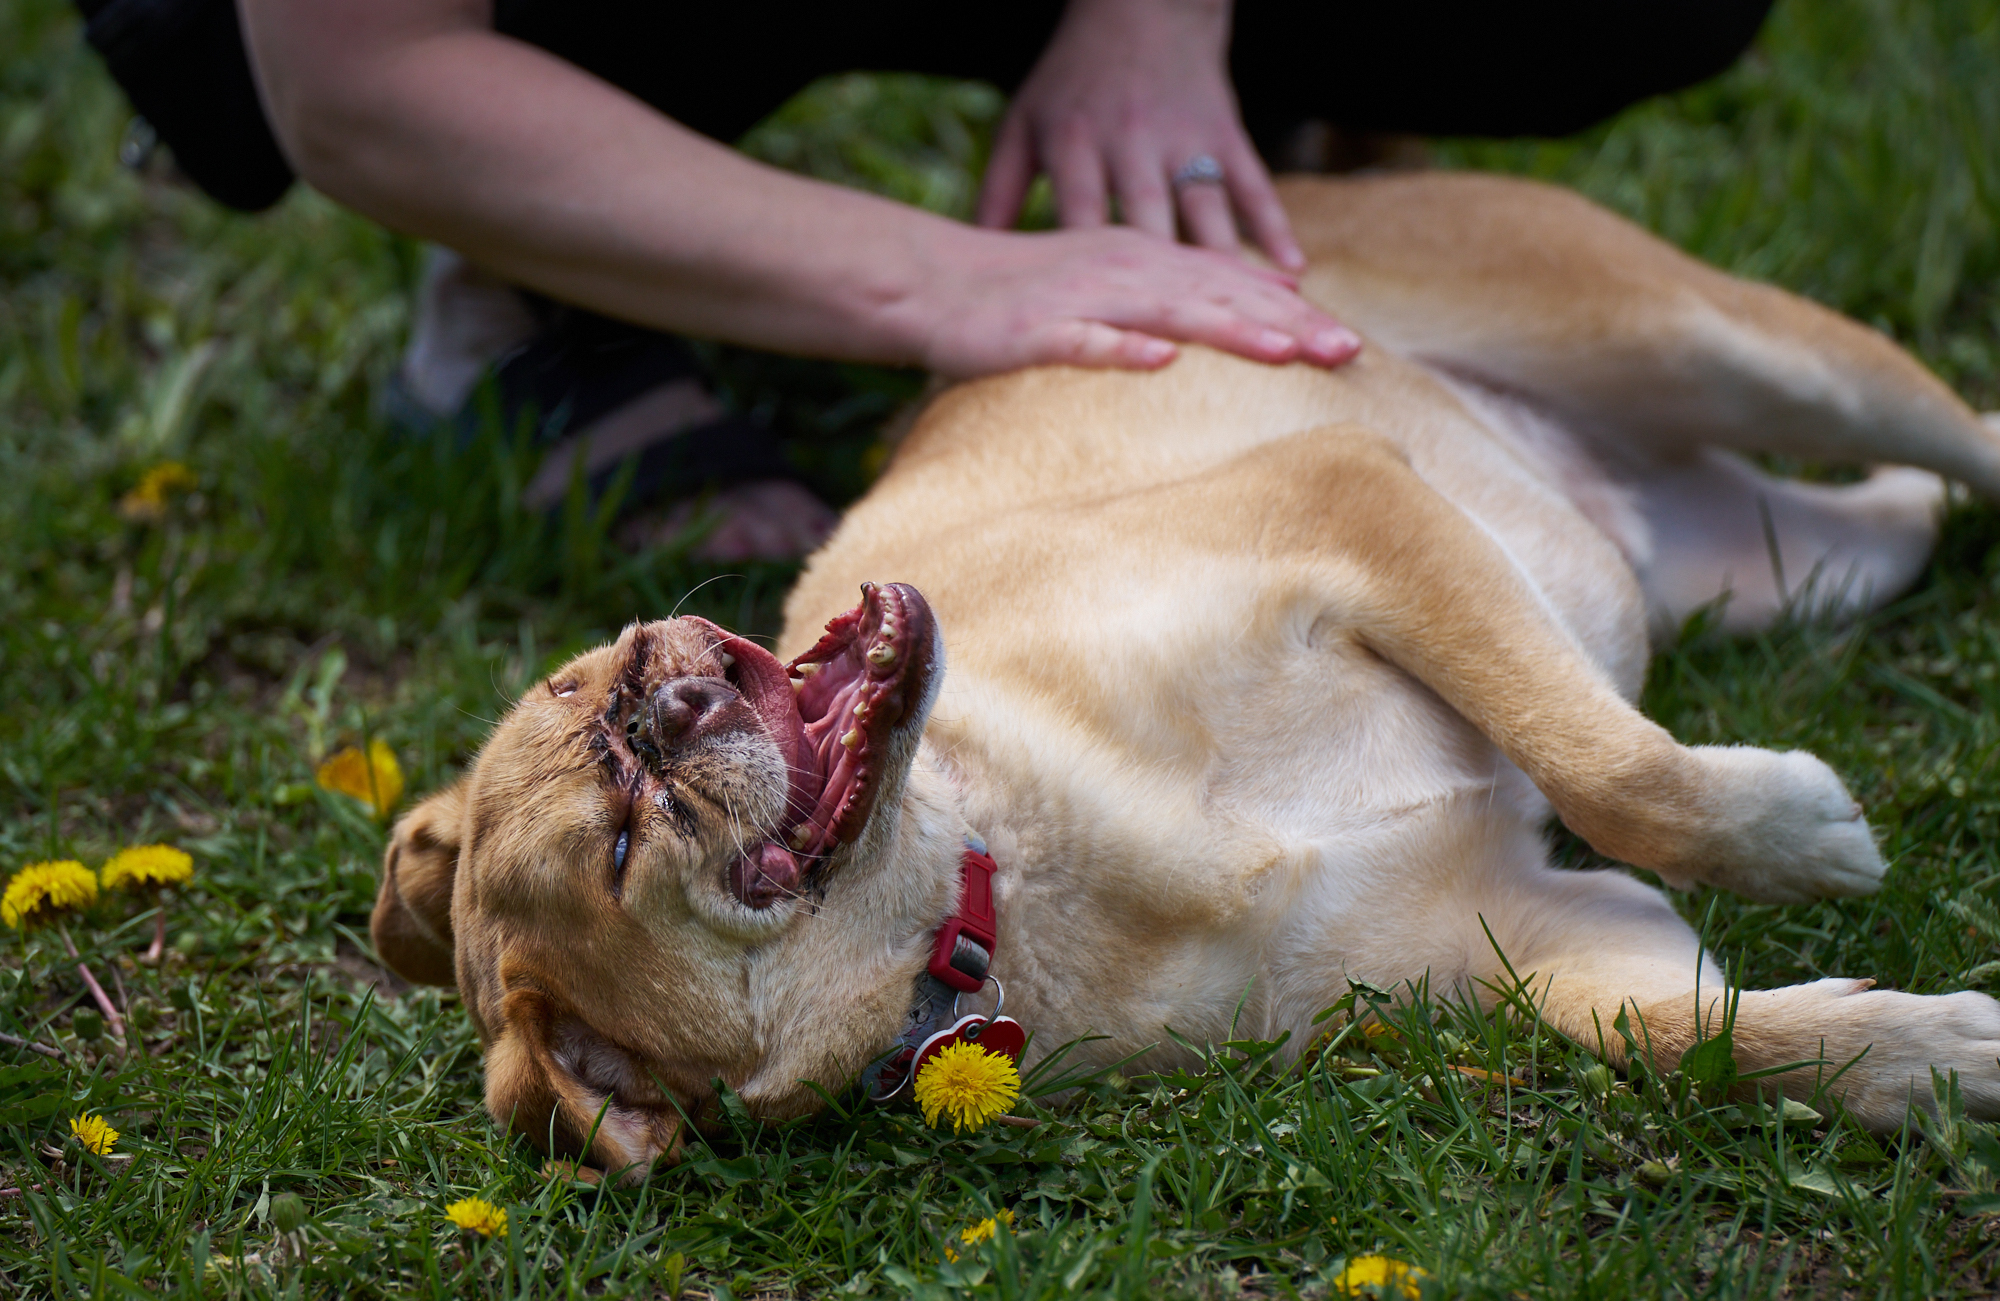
[1781, 828]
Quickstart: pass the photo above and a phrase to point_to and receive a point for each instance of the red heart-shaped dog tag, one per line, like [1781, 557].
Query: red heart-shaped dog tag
[1002, 1034]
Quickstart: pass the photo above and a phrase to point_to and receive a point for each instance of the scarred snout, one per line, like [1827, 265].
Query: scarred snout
[679, 714]
[685, 709]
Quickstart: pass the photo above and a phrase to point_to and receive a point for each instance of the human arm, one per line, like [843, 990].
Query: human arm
[416, 113]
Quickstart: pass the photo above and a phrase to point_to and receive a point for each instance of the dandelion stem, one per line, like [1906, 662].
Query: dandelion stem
[112, 1021]
[152, 955]
[31, 1046]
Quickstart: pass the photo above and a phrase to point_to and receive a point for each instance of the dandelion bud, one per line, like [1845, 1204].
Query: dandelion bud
[288, 1213]
[88, 1024]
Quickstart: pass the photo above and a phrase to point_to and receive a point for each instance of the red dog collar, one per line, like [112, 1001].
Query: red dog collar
[961, 955]
[969, 937]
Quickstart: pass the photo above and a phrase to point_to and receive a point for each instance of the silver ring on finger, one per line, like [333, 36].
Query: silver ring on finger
[1202, 169]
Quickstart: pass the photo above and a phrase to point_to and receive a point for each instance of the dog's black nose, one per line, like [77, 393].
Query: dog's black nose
[684, 706]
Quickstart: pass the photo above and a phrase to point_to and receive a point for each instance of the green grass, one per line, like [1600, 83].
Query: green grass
[329, 582]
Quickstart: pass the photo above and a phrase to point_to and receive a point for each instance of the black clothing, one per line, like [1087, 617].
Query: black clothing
[1460, 68]
[1429, 67]
[183, 66]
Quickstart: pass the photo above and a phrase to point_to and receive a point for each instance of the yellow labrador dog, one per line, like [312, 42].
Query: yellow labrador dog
[1246, 678]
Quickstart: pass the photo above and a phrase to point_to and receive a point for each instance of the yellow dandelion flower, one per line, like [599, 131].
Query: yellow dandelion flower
[146, 865]
[477, 1215]
[968, 1083]
[1389, 1278]
[233, 1269]
[147, 502]
[41, 892]
[973, 1235]
[376, 780]
[94, 1133]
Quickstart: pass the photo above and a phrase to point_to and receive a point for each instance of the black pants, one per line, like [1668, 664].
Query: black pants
[1433, 67]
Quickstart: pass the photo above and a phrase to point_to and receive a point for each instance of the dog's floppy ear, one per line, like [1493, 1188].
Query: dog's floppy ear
[573, 1093]
[412, 922]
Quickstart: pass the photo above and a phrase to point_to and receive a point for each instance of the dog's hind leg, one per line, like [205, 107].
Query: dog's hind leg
[1722, 529]
[1479, 909]
[1581, 948]
[1535, 291]
[1355, 543]
[1709, 525]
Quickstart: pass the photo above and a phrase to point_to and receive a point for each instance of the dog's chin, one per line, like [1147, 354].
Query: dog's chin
[721, 904]
[736, 883]
[732, 921]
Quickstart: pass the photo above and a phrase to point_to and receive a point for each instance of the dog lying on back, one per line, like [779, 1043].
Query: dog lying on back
[1249, 678]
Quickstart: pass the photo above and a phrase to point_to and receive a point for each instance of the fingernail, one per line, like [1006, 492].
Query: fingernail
[1336, 343]
[1156, 352]
[1275, 341]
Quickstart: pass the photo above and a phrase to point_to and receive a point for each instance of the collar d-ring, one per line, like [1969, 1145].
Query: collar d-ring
[999, 1003]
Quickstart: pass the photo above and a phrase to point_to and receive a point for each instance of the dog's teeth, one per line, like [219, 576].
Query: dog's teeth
[852, 739]
[728, 660]
[802, 835]
[861, 710]
[882, 655]
[806, 670]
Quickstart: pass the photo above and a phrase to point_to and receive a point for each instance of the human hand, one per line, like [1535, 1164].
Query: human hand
[1106, 297]
[1128, 92]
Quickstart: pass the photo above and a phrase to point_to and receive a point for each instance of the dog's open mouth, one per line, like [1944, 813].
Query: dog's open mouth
[833, 712]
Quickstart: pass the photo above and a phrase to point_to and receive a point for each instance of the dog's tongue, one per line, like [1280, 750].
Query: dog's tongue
[767, 689]
[866, 678]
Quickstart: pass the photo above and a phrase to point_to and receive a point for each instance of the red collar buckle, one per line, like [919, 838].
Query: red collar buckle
[963, 951]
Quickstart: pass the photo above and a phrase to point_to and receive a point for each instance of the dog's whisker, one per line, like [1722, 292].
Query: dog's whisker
[715, 578]
[735, 825]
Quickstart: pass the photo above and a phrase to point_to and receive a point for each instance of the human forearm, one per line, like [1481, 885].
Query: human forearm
[561, 182]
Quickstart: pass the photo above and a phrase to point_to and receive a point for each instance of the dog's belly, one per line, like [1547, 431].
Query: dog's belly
[1223, 867]
[1175, 767]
